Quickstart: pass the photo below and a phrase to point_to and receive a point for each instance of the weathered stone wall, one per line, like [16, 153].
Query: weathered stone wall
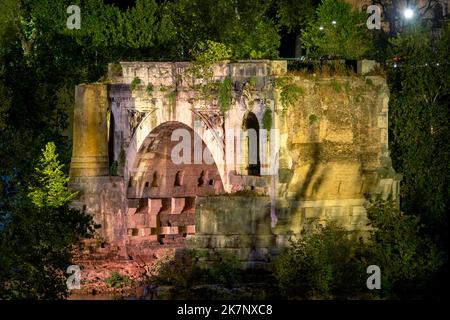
[239, 224]
[104, 198]
[334, 152]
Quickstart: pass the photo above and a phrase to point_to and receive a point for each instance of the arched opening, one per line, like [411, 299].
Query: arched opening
[169, 177]
[164, 189]
[178, 179]
[155, 182]
[251, 146]
[201, 179]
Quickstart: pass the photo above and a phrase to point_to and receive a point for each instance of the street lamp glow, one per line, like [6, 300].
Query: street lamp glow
[408, 13]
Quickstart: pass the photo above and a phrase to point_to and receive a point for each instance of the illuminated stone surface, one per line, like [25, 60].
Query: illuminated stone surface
[333, 157]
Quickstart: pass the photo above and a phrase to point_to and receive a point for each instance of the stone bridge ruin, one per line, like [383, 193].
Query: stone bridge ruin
[330, 152]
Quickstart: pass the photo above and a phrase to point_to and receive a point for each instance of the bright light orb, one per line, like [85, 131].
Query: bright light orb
[408, 13]
[333, 22]
[320, 28]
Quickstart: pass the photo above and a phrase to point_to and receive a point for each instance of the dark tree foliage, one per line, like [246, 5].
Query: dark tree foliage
[38, 231]
[419, 135]
[324, 263]
[419, 118]
[409, 259]
[242, 25]
[338, 31]
[35, 246]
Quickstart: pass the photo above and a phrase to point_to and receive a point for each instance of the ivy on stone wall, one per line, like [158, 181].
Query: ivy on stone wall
[113, 169]
[225, 95]
[312, 119]
[369, 82]
[135, 83]
[122, 158]
[172, 98]
[208, 91]
[149, 90]
[290, 92]
[206, 54]
[267, 119]
[252, 82]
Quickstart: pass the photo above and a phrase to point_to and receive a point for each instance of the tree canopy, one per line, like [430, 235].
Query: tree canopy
[50, 188]
[419, 117]
[338, 31]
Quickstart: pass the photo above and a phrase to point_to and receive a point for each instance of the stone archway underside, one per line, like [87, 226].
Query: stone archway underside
[161, 194]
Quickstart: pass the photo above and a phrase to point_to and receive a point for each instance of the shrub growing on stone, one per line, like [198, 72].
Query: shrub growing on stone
[182, 270]
[191, 267]
[116, 280]
[223, 269]
[324, 263]
[408, 259]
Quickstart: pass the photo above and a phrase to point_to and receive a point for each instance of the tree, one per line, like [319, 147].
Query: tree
[409, 260]
[142, 31]
[37, 236]
[338, 31]
[36, 246]
[244, 26]
[5, 104]
[295, 15]
[51, 188]
[419, 113]
[329, 261]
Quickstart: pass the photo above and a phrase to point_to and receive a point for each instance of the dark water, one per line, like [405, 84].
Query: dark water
[94, 297]
[140, 293]
[250, 292]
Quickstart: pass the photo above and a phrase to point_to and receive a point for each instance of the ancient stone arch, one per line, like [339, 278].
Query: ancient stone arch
[325, 156]
[153, 164]
[251, 145]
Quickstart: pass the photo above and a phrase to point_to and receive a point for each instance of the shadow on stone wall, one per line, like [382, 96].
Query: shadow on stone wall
[313, 168]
